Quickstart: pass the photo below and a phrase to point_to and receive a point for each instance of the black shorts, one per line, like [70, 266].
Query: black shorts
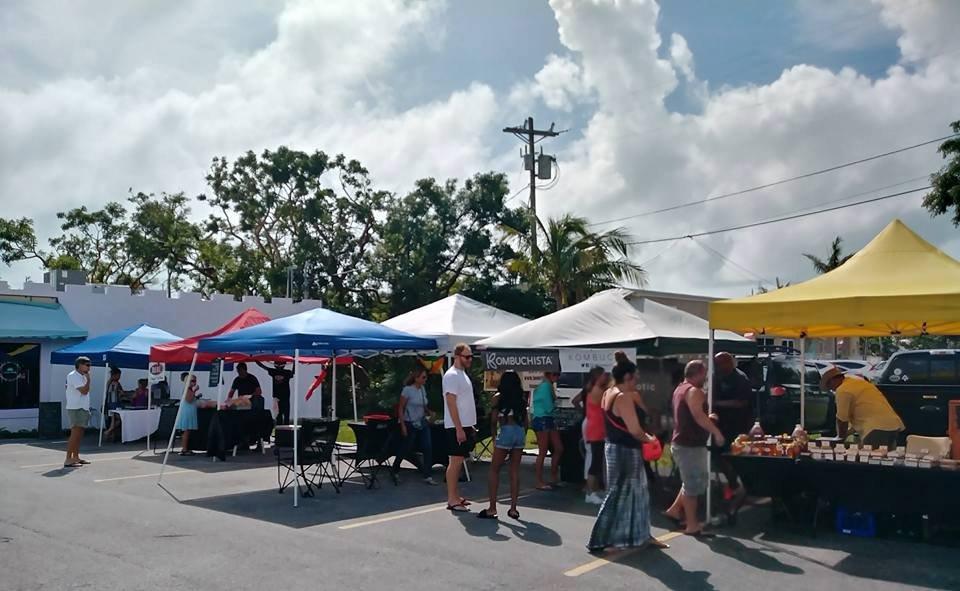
[455, 448]
[597, 460]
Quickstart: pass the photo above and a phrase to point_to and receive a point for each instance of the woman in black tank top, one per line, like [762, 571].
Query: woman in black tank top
[624, 519]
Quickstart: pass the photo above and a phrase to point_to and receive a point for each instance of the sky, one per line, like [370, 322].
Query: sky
[666, 103]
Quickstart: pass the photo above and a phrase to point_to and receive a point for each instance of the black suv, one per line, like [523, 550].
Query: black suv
[919, 386]
[775, 379]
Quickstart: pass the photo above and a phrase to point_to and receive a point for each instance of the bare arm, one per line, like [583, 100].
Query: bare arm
[262, 366]
[843, 429]
[401, 410]
[628, 412]
[695, 400]
[85, 388]
[578, 400]
[454, 411]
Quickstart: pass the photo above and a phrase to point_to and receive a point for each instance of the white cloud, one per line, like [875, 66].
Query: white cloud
[634, 156]
[559, 84]
[681, 56]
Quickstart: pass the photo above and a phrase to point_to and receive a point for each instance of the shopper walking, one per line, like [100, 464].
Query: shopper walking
[509, 413]
[459, 420]
[624, 518]
[594, 435]
[78, 410]
[412, 416]
[692, 427]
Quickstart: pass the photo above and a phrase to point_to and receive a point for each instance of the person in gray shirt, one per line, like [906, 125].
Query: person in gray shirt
[413, 417]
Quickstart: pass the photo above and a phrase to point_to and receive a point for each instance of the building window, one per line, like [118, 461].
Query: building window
[19, 375]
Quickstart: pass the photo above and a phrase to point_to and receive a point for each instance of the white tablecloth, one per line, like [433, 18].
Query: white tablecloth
[137, 424]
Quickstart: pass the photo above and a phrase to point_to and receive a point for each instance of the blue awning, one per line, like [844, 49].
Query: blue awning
[129, 348]
[317, 332]
[32, 319]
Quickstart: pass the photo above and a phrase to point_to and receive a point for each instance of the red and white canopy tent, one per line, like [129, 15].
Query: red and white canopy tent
[182, 352]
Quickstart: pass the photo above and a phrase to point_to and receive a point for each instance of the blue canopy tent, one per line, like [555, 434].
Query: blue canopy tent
[318, 332]
[127, 348]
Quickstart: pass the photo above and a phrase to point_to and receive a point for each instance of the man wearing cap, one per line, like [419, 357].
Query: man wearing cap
[78, 409]
[862, 405]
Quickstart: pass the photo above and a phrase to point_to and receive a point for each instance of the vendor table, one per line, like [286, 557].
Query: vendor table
[854, 485]
[137, 423]
[438, 439]
[219, 431]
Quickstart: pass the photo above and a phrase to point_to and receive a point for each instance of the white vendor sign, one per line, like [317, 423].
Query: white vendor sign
[581, 360]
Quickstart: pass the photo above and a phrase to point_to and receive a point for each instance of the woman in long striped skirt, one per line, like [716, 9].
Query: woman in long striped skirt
[624, 518]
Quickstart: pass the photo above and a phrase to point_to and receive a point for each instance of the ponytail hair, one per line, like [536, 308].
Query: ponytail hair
[623, 368]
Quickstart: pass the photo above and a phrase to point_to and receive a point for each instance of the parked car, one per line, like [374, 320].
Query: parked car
[876, 371]
[920, 385]
[853, 366]
[775, 379]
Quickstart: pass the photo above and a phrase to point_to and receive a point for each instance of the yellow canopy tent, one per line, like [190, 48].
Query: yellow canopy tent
[898, 284]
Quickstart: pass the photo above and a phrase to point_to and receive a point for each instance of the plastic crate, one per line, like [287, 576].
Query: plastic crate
[856, 523]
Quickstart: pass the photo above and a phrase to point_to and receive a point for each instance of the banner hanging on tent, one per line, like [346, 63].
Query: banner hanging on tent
[582, 360]
[156, 372]
[521, 359]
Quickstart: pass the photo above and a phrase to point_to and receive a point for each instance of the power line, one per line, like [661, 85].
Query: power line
[730, 261]
[775, 183]
[512, 197]
[780, 219]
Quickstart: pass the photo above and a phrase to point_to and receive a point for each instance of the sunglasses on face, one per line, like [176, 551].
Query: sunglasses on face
[467, 357]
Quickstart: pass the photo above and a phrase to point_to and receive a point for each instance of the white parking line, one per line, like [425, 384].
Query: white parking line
[614, 557]
[97, 461]
[431, 509]
[167, 473]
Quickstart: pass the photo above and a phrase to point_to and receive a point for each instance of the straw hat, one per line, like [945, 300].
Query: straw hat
[828, 375]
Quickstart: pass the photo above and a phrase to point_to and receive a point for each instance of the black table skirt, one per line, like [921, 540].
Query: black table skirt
[438, 439]
[218, 431]
[857, 486]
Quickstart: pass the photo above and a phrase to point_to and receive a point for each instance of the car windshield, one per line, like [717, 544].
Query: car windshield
[786, 372]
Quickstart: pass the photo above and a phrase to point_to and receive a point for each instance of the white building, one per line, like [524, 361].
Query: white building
[101, 309]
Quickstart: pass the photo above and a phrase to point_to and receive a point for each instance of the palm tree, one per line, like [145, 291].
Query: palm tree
[835, 259]
[779, 285]
[574, 263]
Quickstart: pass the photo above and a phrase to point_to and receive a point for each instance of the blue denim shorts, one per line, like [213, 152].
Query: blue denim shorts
[511, 437]
[543, 424]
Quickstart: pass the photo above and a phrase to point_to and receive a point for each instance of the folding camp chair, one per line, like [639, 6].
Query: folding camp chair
[315, 462]
[375, 443]
[484, 440]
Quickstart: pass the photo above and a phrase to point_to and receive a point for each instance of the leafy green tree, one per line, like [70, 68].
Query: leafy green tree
[290, 208]
[18, 242]
[574, 263]
[946, 182]
[834, 260]
[442, 238]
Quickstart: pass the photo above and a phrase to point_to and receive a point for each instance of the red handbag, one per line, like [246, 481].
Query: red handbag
[652, 450]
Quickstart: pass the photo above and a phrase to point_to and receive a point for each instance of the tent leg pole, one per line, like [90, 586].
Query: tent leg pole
[353, 385]
[220, 386]
[333, 387]
[709, 385]
[149, 406]
[103, 401]
[173, 431]
[296, 429]
[803, 380]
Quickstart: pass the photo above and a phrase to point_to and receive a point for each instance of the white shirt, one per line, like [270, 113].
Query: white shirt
[75, 400]
[457, 382]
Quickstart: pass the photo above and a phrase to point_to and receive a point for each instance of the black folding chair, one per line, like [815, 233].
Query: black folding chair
[375, 443]
[314, 458]
[320, 451]
[485, 439]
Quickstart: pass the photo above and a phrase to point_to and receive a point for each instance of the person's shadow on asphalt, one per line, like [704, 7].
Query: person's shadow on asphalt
[527, 531]
[659, 565]
[751, 556]
[58, 472]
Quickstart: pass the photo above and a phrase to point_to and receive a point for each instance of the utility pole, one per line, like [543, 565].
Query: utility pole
[538, 167]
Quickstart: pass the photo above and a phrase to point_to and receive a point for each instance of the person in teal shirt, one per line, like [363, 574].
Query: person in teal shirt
[542, 403]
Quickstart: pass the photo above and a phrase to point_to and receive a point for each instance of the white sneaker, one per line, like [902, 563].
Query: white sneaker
[594, 499]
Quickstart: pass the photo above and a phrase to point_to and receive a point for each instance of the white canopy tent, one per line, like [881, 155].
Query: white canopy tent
[455, 319]
[619, 317]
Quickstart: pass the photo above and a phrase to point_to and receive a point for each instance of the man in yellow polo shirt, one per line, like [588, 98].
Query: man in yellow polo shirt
[862, 405]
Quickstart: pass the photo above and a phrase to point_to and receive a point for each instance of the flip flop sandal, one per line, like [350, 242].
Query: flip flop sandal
[485, 514]
[465, 502]
[545, 488]
[701, 534]
[73, 465]
[83, 462]
[457, 509]
[513, 514]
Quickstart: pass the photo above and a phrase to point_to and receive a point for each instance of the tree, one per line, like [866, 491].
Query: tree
[778, 285]
[835, 259]
[289, 208]
[575, 263]
[946, 182]
[441, 238]
[18, 242]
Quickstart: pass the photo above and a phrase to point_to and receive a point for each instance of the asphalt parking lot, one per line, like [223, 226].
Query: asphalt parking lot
[223, 526]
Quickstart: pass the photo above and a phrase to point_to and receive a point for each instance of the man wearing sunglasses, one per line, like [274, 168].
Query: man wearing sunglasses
[459, 420]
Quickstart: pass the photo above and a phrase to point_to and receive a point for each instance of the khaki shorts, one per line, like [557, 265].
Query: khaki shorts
[78, 417]
[692, 462]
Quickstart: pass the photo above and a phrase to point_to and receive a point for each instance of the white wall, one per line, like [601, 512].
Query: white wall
[102, 309]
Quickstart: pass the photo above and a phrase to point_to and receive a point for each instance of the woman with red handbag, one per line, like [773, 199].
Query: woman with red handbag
[624, 519]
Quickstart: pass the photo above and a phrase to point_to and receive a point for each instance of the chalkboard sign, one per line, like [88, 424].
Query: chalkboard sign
[49, 422]
[215, 367]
